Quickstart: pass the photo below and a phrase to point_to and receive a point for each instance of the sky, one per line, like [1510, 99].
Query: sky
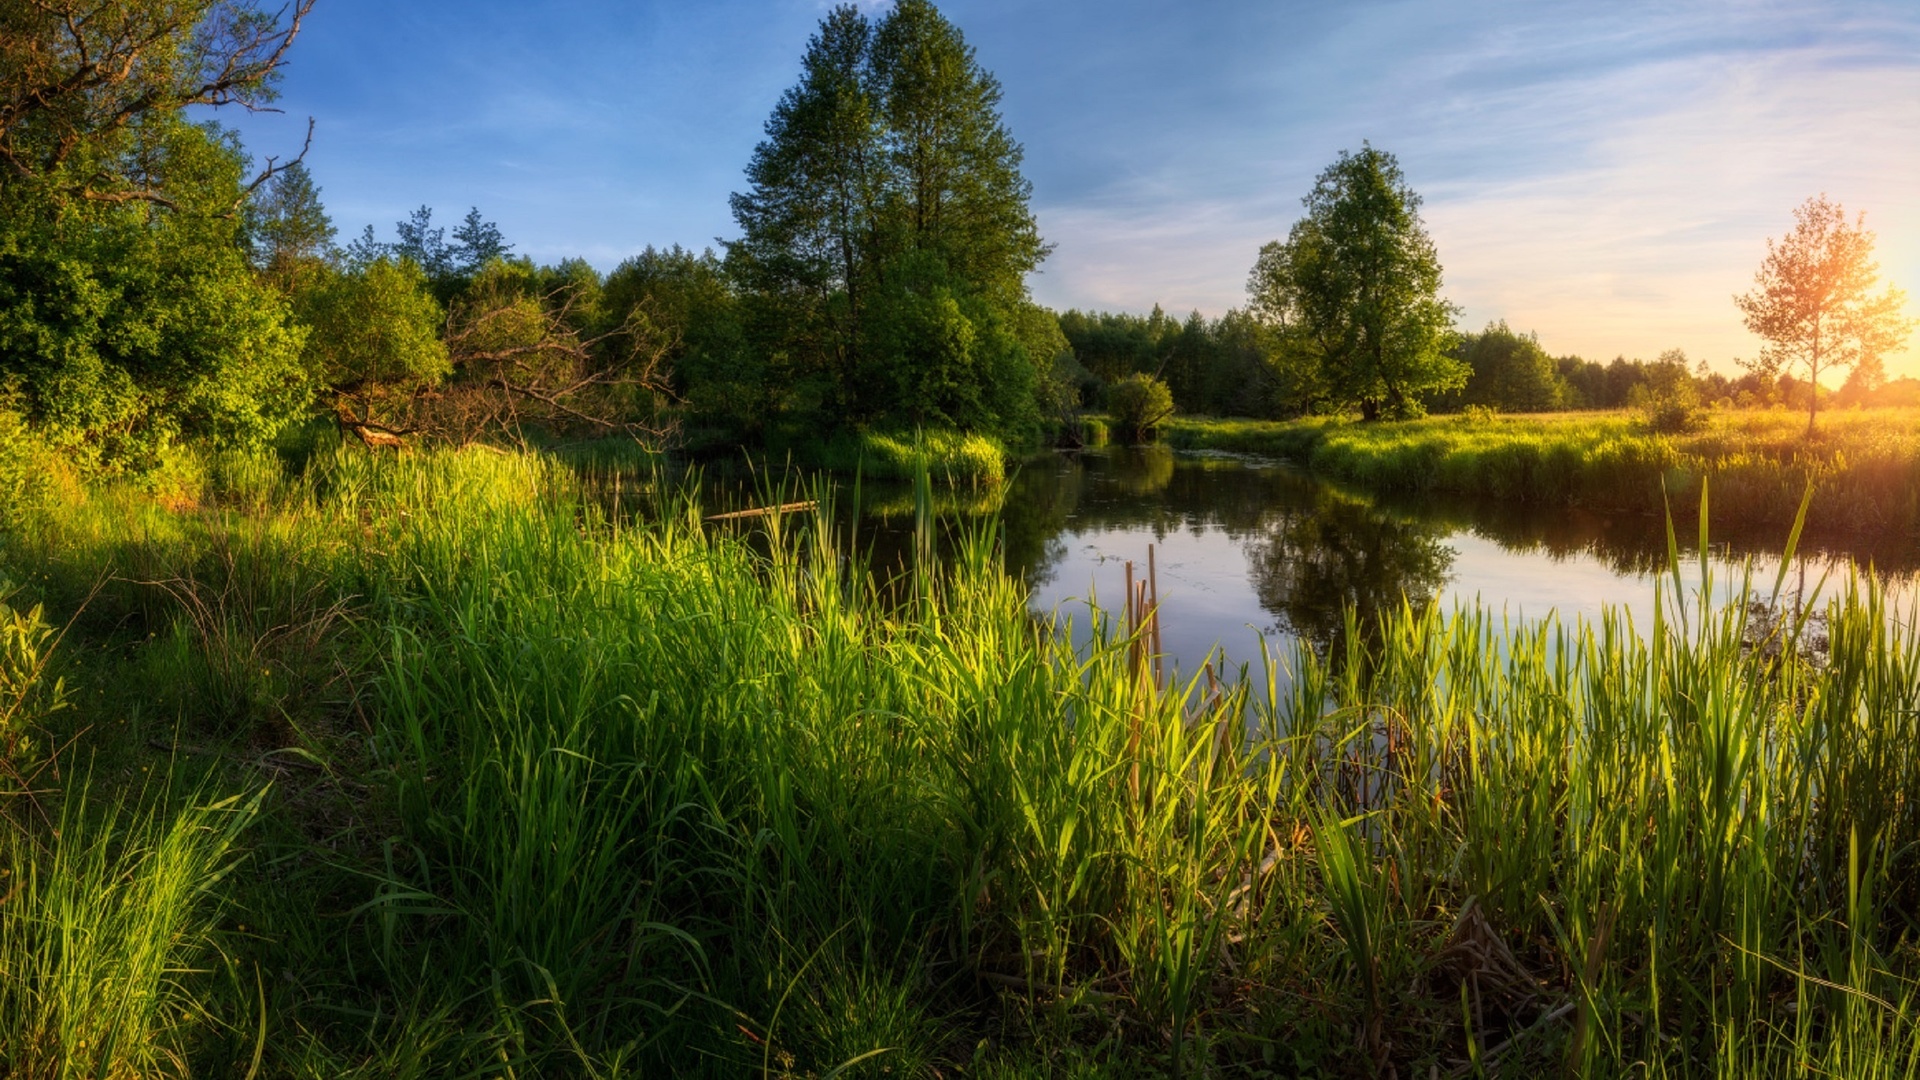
[1604, 175]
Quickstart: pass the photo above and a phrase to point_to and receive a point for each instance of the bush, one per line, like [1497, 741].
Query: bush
[1139, 404]
[27, 695]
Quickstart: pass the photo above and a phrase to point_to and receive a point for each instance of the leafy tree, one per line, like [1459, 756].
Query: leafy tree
[953, 170]
[691, 303]
[1509, 371]
[90, 88]
[125, 325]
[1666, 396]
[809, 218]
[289, 230]
[1355, 287]
[1139, 404]
[418, 241]
[365, 248]
[887, 234]
[1812, 301]
[375, 342]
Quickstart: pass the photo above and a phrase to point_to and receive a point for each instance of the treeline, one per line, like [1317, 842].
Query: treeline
[156, 290]
[1226, 366]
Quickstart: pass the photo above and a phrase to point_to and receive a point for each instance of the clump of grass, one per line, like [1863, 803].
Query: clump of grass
[947, 457]
[108, 935]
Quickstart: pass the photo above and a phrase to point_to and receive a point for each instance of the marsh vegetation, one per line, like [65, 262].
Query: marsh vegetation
[424, 766]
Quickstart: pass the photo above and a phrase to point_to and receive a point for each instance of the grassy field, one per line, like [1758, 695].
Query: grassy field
[1864, 465]
[410, 766]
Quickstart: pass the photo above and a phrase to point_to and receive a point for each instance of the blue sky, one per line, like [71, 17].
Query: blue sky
[1603, 174]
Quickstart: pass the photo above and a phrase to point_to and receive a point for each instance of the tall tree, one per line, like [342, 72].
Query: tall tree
[289, 228]
[418, 240]
[84, 82]
[476, 243]
[1813, 301]
[807, 219]
[955, 185]
[886, 230]
[1509, 371]
[1356, 285]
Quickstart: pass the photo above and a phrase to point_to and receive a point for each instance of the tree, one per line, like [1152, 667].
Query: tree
[86, 85]
[1139, 404]
[1356, 289]
[887, 233]
[1813, 302]
[476, 243]
[374, 343]
[808, 218]
[417, 240]
[289, 229]
[125, 326]
[953, 169]
[1509, 371]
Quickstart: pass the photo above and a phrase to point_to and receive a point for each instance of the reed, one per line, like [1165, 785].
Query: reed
[558, 793]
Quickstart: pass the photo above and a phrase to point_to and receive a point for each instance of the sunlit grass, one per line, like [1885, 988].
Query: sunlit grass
[1864, 465]
[554, 795]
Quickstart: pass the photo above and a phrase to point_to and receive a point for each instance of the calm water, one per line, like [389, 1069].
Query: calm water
[1247, 548]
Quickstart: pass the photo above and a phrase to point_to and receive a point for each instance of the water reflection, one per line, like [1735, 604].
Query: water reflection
[1250, 547]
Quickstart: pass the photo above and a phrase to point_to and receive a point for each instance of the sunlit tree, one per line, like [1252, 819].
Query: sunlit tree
[1355, 290]
[1813, 300]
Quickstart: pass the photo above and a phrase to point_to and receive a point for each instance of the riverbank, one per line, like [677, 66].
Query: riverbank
[1864, 465]
[414, 765]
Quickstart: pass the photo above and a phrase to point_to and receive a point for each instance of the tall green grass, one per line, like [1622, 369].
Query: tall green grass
[946, 457]
[1864, 465]
[559, 794]
[107, 938]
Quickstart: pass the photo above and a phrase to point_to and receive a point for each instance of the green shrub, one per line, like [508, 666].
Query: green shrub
[1139, 404]
[1093, 431]
[27, 695]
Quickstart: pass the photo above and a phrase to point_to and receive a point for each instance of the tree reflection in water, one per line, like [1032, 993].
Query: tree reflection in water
[1311, 560]
[1268, 544]
[1310, 550]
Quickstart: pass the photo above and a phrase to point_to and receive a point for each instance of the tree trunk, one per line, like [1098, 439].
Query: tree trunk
[1369, 409]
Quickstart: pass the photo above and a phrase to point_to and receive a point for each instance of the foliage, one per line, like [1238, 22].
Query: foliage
[1668, 399]
[1139, 404]
[886, 234]
[1509, 372]
[1220, 367]
[126, 326]
[288, 228]
[88, 90]
[691, 305]
[29, 693]
[1355, 291]
[1863, 473]
[943, 456]
[1811, 299]
[564, 731]
[374, 341]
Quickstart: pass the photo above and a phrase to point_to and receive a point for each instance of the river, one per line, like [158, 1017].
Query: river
[1246, 548]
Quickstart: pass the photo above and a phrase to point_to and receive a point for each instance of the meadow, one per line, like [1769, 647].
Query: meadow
[424, 765]
[1863, 464]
